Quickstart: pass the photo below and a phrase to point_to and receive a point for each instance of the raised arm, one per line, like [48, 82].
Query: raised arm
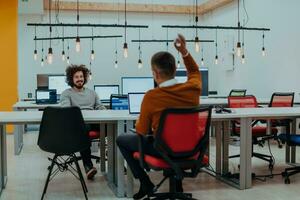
[193, 73]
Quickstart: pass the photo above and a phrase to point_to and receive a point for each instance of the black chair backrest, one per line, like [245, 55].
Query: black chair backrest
[63, 131]
[183, 132]
[237, 92]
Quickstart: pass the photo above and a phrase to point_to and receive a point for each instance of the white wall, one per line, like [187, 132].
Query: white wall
[278, 71]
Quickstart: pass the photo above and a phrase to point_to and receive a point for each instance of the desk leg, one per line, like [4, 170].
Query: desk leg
[2, 132]
[287, 149]
[18, 137]
[245, 153]
[102, 147]
[129, 188]
[218, 147]
[226, 126]
[111, 154]
[120, 164]
[293, 148]
[3, 158]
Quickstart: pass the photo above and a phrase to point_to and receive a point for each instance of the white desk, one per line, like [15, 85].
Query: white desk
[115, 171]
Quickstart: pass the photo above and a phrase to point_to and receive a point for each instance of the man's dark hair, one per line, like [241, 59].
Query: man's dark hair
[165, 63]
[72, 69]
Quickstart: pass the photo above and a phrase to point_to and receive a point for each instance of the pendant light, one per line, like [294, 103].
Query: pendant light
[125, 45]
[216, 57]
[77, 45]
[35, 51]
[50, 51]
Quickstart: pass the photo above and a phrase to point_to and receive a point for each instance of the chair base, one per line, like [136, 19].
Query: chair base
[289, 172]
[64, 165]
[264, 157]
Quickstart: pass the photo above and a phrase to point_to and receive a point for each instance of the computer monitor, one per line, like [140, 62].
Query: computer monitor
[43, 96]
[42, 81]
[135, 102]
[181, 78]
[105, 91]
[136, 84]
[119, 102]
[57, 82]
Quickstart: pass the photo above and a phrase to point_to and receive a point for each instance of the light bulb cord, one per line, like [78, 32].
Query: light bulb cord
[239, 24]
[35, 38]
[77, 18]
[196, 17]
[216, 42]
[140, 52]
[63, 40]
[125, 21]
[50, 27]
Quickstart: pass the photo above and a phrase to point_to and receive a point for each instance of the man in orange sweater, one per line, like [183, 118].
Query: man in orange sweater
[168, 94]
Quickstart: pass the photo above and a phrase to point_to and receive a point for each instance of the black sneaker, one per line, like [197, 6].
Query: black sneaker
[145, 189]
[90, 172]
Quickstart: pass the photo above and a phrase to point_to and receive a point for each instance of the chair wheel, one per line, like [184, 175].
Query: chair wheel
[287, 181]
[189, 195]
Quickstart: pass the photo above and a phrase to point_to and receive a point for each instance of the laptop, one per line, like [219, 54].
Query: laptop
[135, 102]
[118, 102]
[43, 96]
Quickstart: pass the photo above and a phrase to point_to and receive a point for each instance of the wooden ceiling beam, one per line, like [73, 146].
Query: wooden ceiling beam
[139, 8]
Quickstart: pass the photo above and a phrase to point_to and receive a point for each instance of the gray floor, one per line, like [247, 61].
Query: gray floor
[27, 174]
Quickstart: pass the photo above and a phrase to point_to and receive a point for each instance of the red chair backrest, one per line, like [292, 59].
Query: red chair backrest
[282, 100]
[248, 101]
[182, 131]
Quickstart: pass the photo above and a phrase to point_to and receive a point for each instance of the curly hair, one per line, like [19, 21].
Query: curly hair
[72, 69]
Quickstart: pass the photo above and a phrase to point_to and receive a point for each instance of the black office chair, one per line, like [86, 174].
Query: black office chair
[237, 92]
[63, 133]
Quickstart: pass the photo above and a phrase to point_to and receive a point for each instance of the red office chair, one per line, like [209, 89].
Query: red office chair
[95, 137]
[259, 133]
[282, 99]
[182, 140]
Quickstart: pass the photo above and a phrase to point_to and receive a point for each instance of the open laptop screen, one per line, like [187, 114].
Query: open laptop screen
[119, 102]
[45, 96]
[135, 101]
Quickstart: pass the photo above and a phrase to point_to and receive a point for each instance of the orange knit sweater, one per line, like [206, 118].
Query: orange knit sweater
[179, 95]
